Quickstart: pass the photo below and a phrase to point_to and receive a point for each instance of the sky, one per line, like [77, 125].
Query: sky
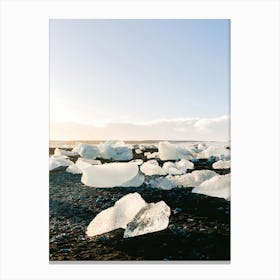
[139, 79]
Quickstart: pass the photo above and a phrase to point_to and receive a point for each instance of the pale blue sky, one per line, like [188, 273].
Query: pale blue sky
[104, 71]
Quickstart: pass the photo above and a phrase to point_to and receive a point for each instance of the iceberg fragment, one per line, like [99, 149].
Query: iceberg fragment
[177, 168]
[61, 152]
[168, 151]
[138, 151]
[117, 216]
[116, 150]
[218, 152]
[192, 179]
[111, 175]
[151, 168]
[171, 168]
[74, 169]
[218, 186]
[57, 161]
[184, 165]
[153, 217]
[89, 151]
[150, 155]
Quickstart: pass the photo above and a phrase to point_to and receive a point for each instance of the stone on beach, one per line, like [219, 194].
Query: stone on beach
[153, 217]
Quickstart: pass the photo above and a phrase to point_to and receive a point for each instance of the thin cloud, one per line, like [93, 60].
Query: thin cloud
[204, 129]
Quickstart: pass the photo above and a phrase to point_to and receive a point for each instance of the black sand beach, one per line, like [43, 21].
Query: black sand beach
[199, 226]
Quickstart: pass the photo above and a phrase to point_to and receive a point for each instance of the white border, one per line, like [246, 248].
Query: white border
[254, 129]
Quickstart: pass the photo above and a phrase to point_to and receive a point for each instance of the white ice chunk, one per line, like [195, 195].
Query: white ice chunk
[153, 217]
[83, 163]
[202, 146]
[61, 152]
[192, 179]
[221, 164]
[168, 151]
[151, 168]
[57, 161]
[116, 150]
[177, 168]
[184, 165]
[110, 175]
[138, 151]
[218, 186]
[219, 152]
[150, 155]
[88, 151]
[171, 168]
[161, 183]
[74, 169]
[77, 148]
[117, 216]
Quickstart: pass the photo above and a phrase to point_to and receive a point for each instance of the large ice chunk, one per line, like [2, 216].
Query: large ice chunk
[61, 152]
[151, 168]
[111, 175]
[177, 168]
[138, 151]
[171, 168]
[77, 148]
[192, 179]
[221, 164]
[117, 216]
[57, 161]
[218, 186]
[184, 165]
[150, 155]
[219, 152]
[153, 217]
[89, 151]
[168, 151]
[116, 150]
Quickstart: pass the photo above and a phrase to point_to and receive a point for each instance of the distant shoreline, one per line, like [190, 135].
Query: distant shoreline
[57, 143]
